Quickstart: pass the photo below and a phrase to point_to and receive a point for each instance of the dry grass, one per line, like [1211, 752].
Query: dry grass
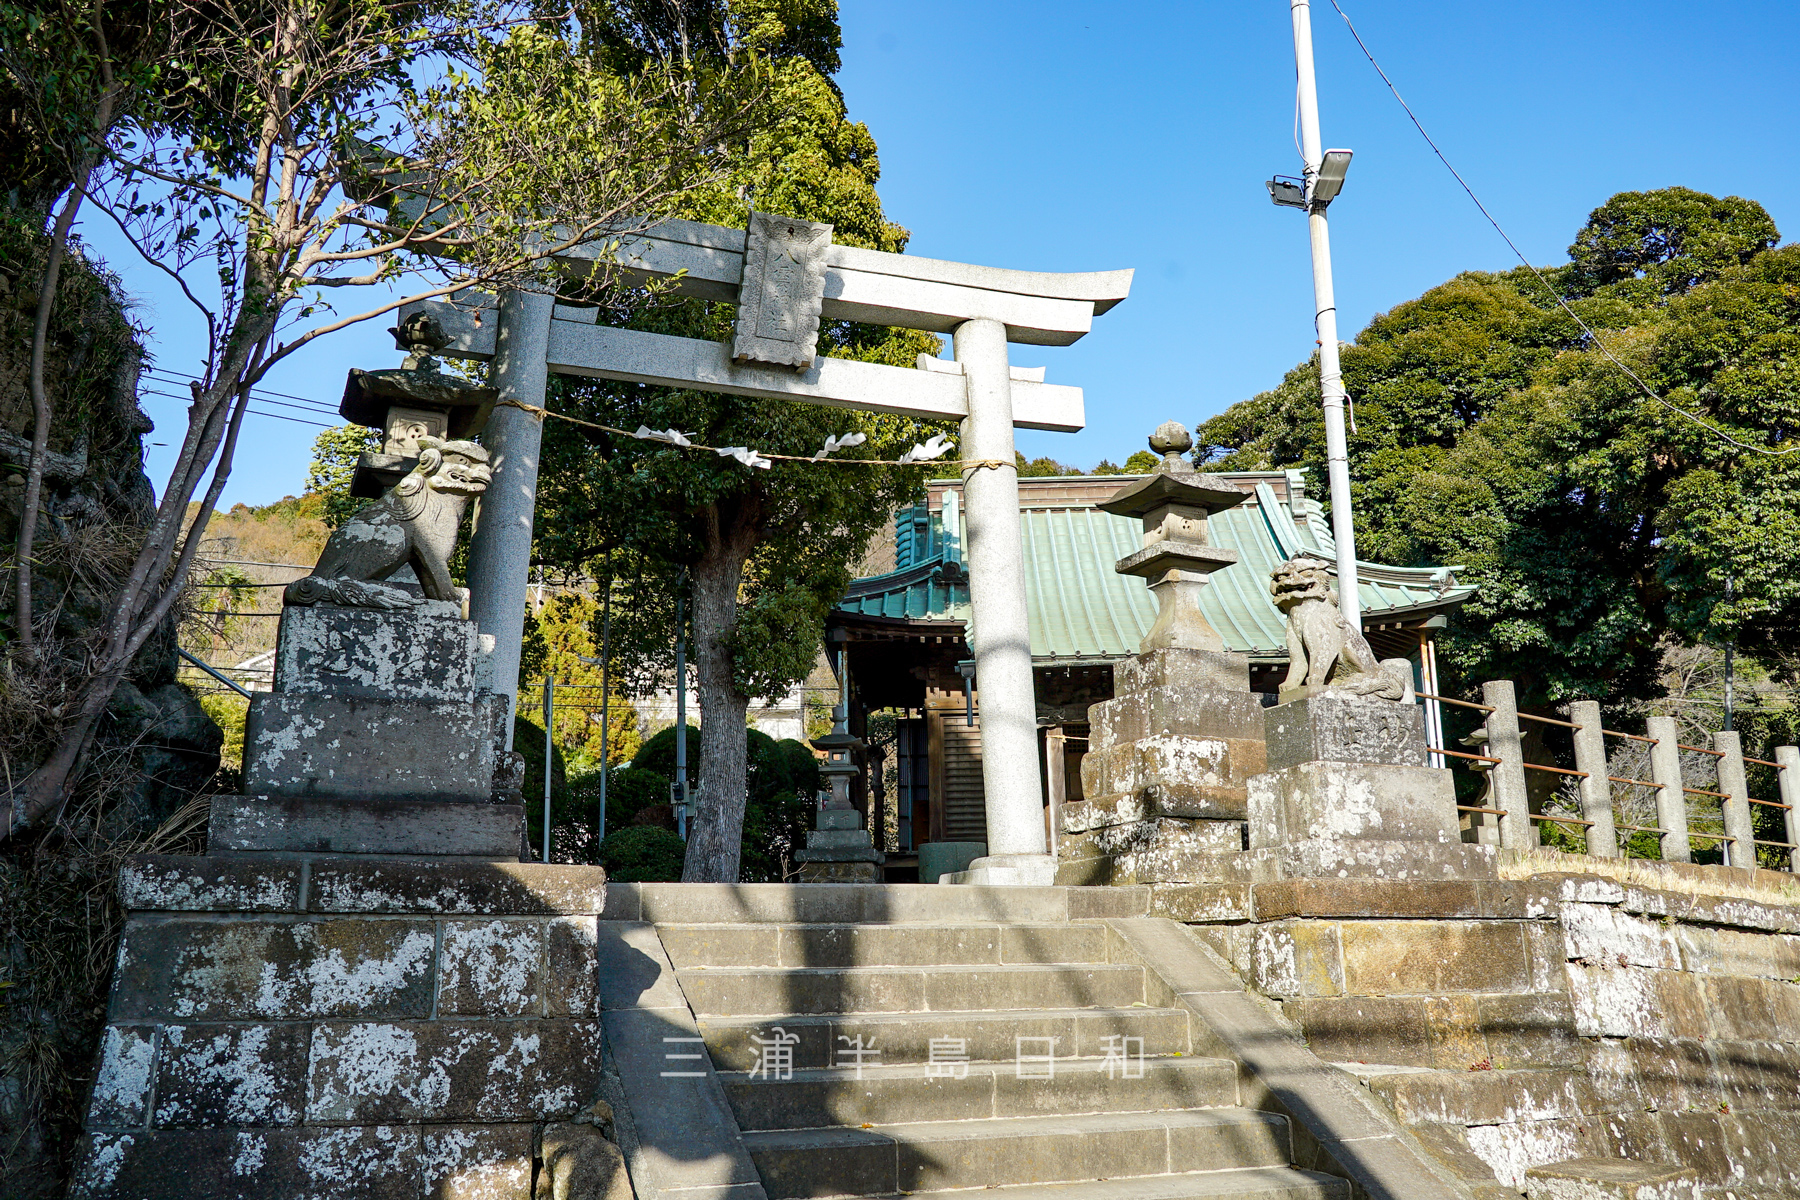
[60, 914]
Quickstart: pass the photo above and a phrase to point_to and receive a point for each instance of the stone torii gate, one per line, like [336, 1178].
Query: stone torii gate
[786, 275]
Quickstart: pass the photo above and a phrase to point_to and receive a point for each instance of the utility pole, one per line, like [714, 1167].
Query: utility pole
[679, 788]
[1323, 180]
[549, 749]
[605, 698]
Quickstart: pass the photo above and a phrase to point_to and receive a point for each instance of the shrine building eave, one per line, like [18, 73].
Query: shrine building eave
[1083, 613]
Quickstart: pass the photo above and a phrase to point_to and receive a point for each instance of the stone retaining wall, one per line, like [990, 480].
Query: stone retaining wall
[1517, 1022]
[333, 1029]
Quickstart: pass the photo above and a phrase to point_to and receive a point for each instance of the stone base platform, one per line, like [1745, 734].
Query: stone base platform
[343, 1028]
[293, 825]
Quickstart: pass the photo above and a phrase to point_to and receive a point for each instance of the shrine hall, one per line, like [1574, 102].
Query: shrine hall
[902, 631]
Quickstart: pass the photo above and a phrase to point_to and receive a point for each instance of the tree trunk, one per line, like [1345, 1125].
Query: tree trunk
[716, 824]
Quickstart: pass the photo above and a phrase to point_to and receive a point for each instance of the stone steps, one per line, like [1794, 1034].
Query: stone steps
[844, 945]
[885, 1095]
[935, 1155]
[988, 1036]
[1251, 1183]
[750, 991]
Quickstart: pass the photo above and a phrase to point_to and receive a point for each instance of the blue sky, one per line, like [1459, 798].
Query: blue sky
[1066, 136]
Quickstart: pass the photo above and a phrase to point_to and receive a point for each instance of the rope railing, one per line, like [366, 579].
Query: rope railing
[1723, 814]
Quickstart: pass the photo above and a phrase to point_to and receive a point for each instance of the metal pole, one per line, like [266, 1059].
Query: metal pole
[1331, 380]
[679, 791]
[605, 700]
[549, 733]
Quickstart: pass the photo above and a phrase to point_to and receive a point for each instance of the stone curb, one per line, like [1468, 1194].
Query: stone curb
[680, 1138]
[1354, 1137]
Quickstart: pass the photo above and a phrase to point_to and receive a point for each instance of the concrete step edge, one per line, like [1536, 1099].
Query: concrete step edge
[1250, 1183]
[911, 1071]
[900, 968]
[1046, 1125]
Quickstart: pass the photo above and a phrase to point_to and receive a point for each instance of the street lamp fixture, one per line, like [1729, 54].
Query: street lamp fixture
[1330, 179]
[1287, 191]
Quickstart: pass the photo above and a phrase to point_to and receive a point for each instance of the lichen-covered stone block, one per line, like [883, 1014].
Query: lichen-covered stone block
[367, 746]
[497, 889]
[221, 1075]
[1609, 1179]
[327, 650]
[571, 967]
[353, 1163]
[476, 1162]
[1209, 670]
[360, 825]
[121, 1096]
[491, 968]
[1323, 800]
[193, 968]
[1344, 729]
[188, 883]
[452, 1070]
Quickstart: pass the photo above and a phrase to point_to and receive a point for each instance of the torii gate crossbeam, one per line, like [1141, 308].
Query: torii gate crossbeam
[785, 275]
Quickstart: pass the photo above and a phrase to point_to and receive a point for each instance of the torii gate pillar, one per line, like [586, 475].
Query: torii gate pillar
[1000, 632]
[500, 549]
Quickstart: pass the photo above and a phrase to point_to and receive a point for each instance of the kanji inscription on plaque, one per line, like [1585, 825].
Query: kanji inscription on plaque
[783, 289]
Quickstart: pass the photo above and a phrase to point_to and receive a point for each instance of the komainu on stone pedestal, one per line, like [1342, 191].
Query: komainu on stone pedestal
[382, 734]
[1348, 792]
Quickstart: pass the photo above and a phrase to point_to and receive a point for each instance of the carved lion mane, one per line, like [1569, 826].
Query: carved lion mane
[1324, 652]
[414, 523]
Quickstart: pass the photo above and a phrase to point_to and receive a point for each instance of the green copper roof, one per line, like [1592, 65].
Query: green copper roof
[1082, 610]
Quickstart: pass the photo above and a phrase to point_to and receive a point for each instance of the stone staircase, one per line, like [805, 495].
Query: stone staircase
[934, 1057]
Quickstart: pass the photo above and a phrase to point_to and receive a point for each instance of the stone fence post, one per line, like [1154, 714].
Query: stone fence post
[1504, 743]
[1741, 850]
[1789, 781]
[1596, 789]
[1671, 801]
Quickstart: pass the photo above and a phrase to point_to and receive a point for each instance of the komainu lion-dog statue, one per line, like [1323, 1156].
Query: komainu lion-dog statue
[1325, 654]
[414, 523]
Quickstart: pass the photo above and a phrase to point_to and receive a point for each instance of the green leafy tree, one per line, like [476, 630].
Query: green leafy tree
[1492, 433]
[761, 555]
[1141, 462]
[511, 144]
[565, 636]
[335, 452]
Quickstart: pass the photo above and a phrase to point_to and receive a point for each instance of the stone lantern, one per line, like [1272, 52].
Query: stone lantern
[1165, 775]
[1174, 503]
[407, 403]
[839, 849]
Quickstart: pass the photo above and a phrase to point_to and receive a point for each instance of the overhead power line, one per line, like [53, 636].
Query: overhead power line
[1548, 286]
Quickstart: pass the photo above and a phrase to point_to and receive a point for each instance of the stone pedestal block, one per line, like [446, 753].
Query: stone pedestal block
[1345, 729]
[425, 654]
[357, 747]
[308, 825]
[1210, 670]
[1323, 800]
[839, 849]
[1168, 760]
[1345, 858]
